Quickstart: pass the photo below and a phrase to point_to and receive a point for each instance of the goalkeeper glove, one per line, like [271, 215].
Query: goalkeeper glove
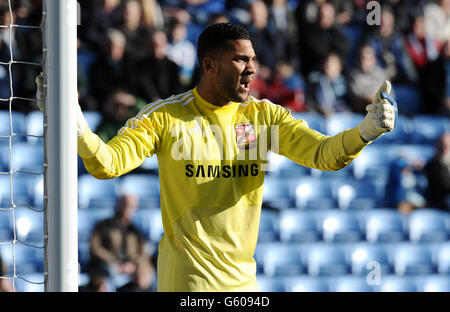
[381, 115]
[40, 97]
[40, 92]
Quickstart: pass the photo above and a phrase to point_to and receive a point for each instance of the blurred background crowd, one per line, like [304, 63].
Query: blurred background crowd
[313, 55]
[319, 58]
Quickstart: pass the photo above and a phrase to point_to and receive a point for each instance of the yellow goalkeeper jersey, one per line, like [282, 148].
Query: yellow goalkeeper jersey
[212, 162]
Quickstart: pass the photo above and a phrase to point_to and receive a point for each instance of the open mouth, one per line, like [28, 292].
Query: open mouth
[245, 84]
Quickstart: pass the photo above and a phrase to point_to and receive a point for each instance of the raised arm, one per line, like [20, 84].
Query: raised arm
[310, 148]
[137, 140]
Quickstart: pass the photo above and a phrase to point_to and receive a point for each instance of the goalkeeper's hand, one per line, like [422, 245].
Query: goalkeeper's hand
[380, 116]
[40, 97]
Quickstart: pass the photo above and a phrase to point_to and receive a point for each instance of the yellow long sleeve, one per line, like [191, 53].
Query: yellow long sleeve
[211, 169]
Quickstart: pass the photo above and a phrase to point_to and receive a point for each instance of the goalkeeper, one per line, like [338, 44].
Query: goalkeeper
[211, 189]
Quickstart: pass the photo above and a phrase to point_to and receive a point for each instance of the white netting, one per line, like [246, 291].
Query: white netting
[23, 221]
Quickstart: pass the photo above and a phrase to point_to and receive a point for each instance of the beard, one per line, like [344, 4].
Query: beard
[230, 89]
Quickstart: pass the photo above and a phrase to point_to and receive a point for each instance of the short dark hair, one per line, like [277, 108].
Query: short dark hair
[215, 38]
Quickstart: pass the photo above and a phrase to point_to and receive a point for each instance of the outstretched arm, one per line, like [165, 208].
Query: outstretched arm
[137, 140]
[312, 149]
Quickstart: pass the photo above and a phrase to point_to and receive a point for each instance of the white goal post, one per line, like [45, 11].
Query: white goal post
[61, 191]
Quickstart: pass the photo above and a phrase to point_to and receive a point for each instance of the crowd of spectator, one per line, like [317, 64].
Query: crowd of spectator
[313, 55]
[119, 248]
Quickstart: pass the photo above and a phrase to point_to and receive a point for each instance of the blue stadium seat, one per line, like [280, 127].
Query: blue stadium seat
[361, 256]
[93, 119]
[312, 193]
[4, 167]
[355, 194]
[269, 284]
[268, 226]
[344, 173]
[288, 169]
[434, 283]
[443, 258]
[144, 186]
[36, 191]
[21, 195]
[412, 259]
[400, 135]
[29, 189]
[5, 223]
[149, 221]
[83, 255]
[193, 30]
[354, 34]
[27, 259]
[18, 124]
[339, 227]
[29, 226]
[276, 193]
[87, 219]
[85, 59]
[307, 284]
[282, 167]
[384, 226]
[35, 126]
[427, 129]
[373, 163]
[427, 226]
[350, 284]
[93, 193]
[409, 99]
[342, 121]
[326, 260]
[414, 152]
[298, 227]
[83, 279]
[281, 260]
[26, 157]
[150, 163]
[393, 283]
[33, 282]
[315, 121]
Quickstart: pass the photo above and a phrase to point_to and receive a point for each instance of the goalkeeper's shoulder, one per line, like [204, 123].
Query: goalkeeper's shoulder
[172, 105]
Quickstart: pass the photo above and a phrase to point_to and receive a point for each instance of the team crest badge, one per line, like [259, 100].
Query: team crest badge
[245, 136]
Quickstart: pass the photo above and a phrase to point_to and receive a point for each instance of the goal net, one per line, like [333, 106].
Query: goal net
[38, 171]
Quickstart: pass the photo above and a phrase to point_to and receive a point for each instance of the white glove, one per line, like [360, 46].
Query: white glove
[40, 97]
[40, 92]
[380, 116]
[81, 122]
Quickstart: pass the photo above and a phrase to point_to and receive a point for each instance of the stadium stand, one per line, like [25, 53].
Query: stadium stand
[94, 193]
[384, 226]
[298, 227]
[398, 284]
[434, 283]
[412, 259]
[362, 254]
[350, 284]
[268, 284]
[307, 284]
[427, 226]
[282, 260]
[338, 226]
[268, 226]
[324, 259]
[312, 194]
[443, 258]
